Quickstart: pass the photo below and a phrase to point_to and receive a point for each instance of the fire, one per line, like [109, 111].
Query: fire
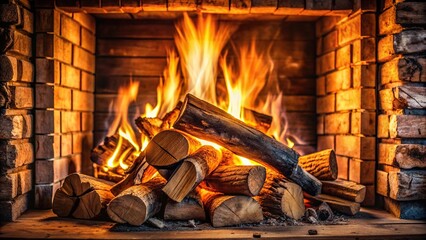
[194, 69]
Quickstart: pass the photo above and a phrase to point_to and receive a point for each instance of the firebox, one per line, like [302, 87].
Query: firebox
[345, 77]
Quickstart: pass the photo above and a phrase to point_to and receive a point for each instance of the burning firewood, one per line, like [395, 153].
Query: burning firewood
[335, 203]
[192, 171]
[344, 189]
[280, 197]
[191, 207]
[82, 197]
[324, 212]
[262, 122]
[321, 165]
[170, 147]
[137, 203]
[149, 126]
[228, 179]
[228, 210]
[101, 153]
[206, 121]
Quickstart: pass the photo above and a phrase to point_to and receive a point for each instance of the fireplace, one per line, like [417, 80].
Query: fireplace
[351, 74]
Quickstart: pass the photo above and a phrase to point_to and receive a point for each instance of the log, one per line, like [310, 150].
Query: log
[407, 185]
[191, 207]
[324, 212]
[208, 122]
[138, 203]
[260, 121]
[279, 197]
[82, 196]
[336, 204]
[149, 126]
[311, 215]
[344, 189]
[229, 210]
[170, 147]
[404, 156]
[321, 165]
[101, 153]
[244, 180]
[194, 169]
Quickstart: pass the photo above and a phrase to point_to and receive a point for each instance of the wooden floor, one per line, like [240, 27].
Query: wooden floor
[370, 224]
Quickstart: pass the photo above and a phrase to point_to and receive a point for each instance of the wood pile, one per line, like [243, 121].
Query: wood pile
[181, 177]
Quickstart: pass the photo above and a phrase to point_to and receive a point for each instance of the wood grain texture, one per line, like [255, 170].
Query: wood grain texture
[407, 185]
[191, 207]
[321, 165]
[344, 189]
[404, 156]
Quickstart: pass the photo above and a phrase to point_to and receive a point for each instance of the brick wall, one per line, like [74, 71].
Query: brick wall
[16, 103]
[64, 100]
[401, 131]
[346, 94]
[129, 49]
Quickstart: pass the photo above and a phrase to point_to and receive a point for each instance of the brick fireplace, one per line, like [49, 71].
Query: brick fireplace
[352, 73]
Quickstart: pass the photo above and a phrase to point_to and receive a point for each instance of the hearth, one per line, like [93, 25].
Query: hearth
[339, 84]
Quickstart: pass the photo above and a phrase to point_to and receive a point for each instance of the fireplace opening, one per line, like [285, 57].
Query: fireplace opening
[290, 98]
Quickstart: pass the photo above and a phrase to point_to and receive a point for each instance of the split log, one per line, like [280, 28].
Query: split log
[82, 197]
[101, 153]
[170, 147]
[279, 197]
[244, 180]
[336, 204]
[344, 189]
[107, 174]
[228, 210]
[191, 207]
[211, 123]
[322, 165]
[138, 203]
[192, 171]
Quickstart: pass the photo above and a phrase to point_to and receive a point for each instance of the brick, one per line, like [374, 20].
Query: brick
[290, 7]
[15, 126]
[362, 172]
[11, 210]
[403, 69]
[343, 167]
[382, 183]
[356, 147]
[70, 29]
[363, 123]
[87, 121]
[48, 121]
[77, 143]
[319, 44]
[387, 22]
[13, 69]
[49, 45]
[44, 194]
[63, 98]
[320, 86]
[343, 56]
[44, 97]
[71, 122]
[407, 126]
[405, 42]
[406, 209]
[326, 104]
[330, 42]
[364, 75]
[66, 145]
[16, 154]
[68, 5]
[14, 184]
[50, 171]
[48, 21]
[70, 76]
[48, 146]
[87, 82]
[338, 80]
[86, 20]
[10, 14]
[83, 101]
[325, 142]
[88, 40]
[47, 71]
[262, 6]
[403, 97]
[337, 123]
[83, 59]
[177, 5]
[364, 98]
[370, 196]
[326, 24]
[363, 25]
[21, 97]
[383, 126]
[160, 5]
[325, 63]
[364, 50]
[22, 44]
[320, 124]
[318, 4]
[27, 22]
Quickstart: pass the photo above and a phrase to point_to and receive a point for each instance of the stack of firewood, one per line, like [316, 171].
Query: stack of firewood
[180, 177]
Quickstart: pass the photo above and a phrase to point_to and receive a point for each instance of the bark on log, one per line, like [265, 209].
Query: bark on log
[138, 203]
[170, 147]
[336, 204]
[227, 210]
[324, 212]
[191, 207]
[407, 185]
[192, 171]
[244, 180]
[321, 165]
[149, 126]
[279, 197]
[344, 189]
[82, 197]
[260, 121]
[206, 121]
